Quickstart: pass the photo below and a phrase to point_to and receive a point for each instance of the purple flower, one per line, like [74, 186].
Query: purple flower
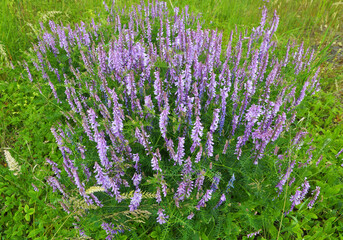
[198, 156]
[209, 144]
[302, 94]
[154, 163]
[319, 160]
[137, 178]
[207, 196]
[162, 218]
[222, 199]
[215, 183]
[190, 216]
[54, 167]
[339, 153]
[102, 149]
[28, 71]
[55, 184]
[135, 200]
[34, 187]
[158, 195]
[285, 177]
[316, 194]
[299, 195]
[253, 234]
[110, 229]
[118, 116]
[163, 122]
[101, 177]
[215, 121]
[65, 208]
[196, 133]
[230, 183]
[180, 151]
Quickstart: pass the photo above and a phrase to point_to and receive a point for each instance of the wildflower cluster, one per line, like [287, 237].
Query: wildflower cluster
[152, 102]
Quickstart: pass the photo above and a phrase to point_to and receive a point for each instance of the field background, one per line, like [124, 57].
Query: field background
[25, 119]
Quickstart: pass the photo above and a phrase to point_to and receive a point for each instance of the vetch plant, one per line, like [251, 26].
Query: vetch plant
[154, 103]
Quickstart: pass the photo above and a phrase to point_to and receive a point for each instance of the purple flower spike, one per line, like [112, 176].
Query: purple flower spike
[135, 200]
[316, 194]
[196, 134]
[299, 195]
[253, 234]
[162, 218]
[180, 151]
[190, 216]
[154, 163]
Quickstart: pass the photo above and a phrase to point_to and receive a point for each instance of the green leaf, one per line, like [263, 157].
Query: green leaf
[311, 215]
[33, 233]
[27, 217]
[154, 234]
[31, 211]
[203, 236]
[26, 208]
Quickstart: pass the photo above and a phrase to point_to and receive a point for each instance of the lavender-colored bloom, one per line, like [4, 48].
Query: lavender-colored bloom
[319, 160]
[149, 104]
[215, 121]
[198, 156]
[187, 168]
[209, 144]
[339, 153]
[55, 184]
[207, 196]
[28, 71]
[158, 195]
[316, 194]
[291, 182]
[78, 183]
[143, 138]
[251, 118]
[302, 94]
[92, 118]
[222, 199]
[118, 116]
[285, 177]
[65, 208]
[253, 234]
[215, 183]
[137, 178]
[102, 149]
[162, 218]
[163, 122]
[86, 171]
[54, 167]
[135, 200]
[154, 163]
[200, 180]
[196, 133]
[180, 151]
[101, 177]
[230, 183]
[190, 216]
[296, 141]
[299, 195]
[158, 88]
[180, 192]
[34, 187]
[110, 229]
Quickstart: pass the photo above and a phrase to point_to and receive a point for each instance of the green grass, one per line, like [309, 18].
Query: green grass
[25, 119]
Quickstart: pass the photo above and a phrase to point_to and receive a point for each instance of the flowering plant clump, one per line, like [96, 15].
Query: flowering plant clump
[154, 104]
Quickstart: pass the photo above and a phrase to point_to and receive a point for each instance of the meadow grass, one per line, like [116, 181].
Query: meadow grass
[317, 23]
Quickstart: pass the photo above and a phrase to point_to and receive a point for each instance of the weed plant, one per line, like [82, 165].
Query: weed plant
[164, 130]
